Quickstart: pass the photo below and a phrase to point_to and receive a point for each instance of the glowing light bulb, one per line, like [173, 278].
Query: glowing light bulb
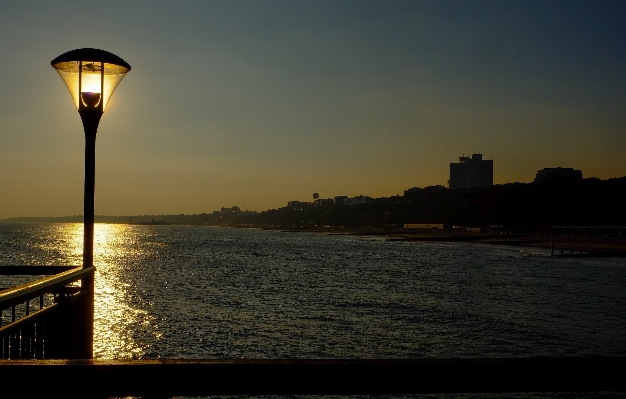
[90, 100]
[91, 84]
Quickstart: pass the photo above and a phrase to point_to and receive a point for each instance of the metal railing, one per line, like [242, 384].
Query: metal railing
[57, 317]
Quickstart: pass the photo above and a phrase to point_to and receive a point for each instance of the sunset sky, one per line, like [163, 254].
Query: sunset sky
[264, 102]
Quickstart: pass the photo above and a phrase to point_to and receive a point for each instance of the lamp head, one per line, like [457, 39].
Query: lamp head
[91, 75]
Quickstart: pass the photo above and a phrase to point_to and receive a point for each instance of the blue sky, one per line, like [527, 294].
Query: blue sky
[264, 102]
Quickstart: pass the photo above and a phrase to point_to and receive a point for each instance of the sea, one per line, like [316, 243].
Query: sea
[202, 292]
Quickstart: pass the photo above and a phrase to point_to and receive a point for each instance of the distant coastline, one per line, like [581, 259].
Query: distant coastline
[590, 208]
[565, 245]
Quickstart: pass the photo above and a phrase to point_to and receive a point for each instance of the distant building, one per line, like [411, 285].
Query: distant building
[551, 174]
[359, 199]
[324, 202]
[295, 204]
[341, 199]
[234, 209]
[412, 191]
[426, 226]
[471, 172]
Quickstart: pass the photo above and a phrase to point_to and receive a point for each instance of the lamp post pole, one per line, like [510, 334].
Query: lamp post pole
[90, 119]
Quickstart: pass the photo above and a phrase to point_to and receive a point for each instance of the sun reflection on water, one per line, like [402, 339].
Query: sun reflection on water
[115, 319]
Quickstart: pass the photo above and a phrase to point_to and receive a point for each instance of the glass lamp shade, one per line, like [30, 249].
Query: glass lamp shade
[91, 76]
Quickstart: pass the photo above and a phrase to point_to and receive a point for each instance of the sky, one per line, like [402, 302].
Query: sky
[257, 103]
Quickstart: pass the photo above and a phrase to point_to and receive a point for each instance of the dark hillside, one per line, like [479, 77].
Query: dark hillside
[531, 207]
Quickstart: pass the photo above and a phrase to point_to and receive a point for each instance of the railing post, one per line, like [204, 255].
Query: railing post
[5, 350]
[39, 337]
[69, 333]
[14, 345]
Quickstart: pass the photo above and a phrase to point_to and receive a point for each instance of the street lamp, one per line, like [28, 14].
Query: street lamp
[91, 75]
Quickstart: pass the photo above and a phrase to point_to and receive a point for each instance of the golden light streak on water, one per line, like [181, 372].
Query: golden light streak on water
[114, 318]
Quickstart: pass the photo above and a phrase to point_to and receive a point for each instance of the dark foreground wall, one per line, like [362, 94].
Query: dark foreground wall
[166, 378]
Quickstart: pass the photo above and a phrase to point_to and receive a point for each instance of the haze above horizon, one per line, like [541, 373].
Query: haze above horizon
[259, 103]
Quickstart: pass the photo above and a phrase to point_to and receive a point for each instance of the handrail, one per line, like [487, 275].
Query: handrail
[21, 293]
[320, 377]
[63, 329]
[33, 270]
[27, 320]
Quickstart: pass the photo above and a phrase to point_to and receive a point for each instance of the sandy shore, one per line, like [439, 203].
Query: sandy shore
[558, 243]
[616, 245]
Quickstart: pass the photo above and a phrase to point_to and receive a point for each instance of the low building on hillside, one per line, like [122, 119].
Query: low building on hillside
[546, 175]
[412, 191]
[324, 202]
[300, 205]
[359, 199]
[341, 199]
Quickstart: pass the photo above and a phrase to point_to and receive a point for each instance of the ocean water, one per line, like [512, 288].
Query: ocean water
[207, 292]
